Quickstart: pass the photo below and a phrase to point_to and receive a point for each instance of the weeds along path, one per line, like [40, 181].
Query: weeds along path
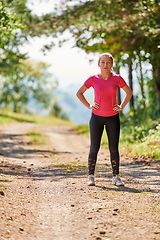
[44, 194]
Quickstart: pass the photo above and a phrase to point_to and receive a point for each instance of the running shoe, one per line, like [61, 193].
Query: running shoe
[91, 181]
[117, 181]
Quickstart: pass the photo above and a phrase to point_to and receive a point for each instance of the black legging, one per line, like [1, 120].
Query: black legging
[112, 126]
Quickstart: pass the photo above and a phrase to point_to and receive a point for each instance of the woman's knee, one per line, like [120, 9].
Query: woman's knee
[93, 154]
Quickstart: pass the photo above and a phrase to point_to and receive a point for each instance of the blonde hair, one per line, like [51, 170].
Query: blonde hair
[106, 54]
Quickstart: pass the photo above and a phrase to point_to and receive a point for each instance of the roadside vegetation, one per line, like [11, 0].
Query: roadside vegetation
[11, 117]
[34, 135]
[36, 138]
[140, 137]
[132, 36]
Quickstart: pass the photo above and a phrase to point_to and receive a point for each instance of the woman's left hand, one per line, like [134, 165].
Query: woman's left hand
[117, 107]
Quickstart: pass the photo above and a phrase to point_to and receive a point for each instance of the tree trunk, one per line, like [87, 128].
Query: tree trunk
[118, 91]
[141, 83]
[156, 79]
[155, 100]
[130, 78]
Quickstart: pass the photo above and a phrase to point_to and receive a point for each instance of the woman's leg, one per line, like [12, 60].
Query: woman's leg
[96, 130]
[113, 131]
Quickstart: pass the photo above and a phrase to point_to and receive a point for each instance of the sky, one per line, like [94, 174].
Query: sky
[68, 65]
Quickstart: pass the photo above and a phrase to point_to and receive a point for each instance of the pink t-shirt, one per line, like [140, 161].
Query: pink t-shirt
[105, 92]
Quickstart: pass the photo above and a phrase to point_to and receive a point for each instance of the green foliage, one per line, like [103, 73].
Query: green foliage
[146, 143]
[58, 112]
[127, 29]
[74, 166]
[139, 136]
[136, 128]
[36, 138]
[29, 81]
[100, 25]
[21, 80]
[8, 23]
[124, 28]
[10, 117]
[83, 129]
[10, 60]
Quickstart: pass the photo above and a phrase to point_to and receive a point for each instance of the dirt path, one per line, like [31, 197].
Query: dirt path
[45, 195]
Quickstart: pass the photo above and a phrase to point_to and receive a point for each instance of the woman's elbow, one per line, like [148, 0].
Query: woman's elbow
[80, 92]
[77, 94]
[131, 93]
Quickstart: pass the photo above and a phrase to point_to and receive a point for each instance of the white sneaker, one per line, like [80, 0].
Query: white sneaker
[91, 180]
[117, 181]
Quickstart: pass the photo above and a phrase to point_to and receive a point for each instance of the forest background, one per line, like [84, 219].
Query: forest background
[130, 30]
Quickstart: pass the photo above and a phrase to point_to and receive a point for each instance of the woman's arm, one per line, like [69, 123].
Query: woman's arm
[128, 96]
[80, 95]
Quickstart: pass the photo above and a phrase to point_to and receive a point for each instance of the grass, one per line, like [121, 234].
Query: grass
[5, 180]
[141, 149]
[10, 117]
[36, 138]
[145, 142]
[74, 166]
[136, 139]
[83, 129]
[142, 140]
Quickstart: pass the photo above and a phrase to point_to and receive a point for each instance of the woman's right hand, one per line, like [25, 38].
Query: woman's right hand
[94, 106]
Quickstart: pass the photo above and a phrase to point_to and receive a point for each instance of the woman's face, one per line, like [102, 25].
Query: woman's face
[105, 63]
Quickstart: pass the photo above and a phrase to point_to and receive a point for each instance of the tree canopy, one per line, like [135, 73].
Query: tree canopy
[130, 30]
[30, 82]
[9, 23]
[22, 80]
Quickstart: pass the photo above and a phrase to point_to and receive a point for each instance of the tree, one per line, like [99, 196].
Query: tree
[8, 24]
[22, 80]
[118, 26]
[30, 81]
[122, 27]
[58, 112]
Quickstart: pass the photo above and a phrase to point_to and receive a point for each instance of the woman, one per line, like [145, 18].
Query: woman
[105, 112]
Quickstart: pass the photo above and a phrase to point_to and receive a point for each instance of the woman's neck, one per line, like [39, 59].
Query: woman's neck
[105, 75]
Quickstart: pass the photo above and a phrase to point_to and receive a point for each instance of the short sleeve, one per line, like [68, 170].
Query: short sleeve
[121, 82]
[88, 82]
